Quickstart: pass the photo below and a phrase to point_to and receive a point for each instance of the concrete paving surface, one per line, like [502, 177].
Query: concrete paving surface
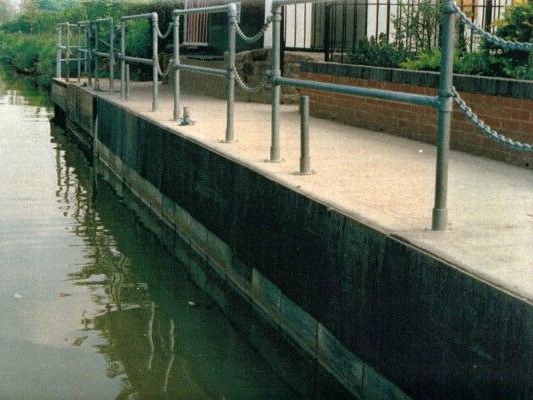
[382, 180]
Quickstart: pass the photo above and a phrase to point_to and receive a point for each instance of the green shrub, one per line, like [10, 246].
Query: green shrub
[427, 61]
[377, 53]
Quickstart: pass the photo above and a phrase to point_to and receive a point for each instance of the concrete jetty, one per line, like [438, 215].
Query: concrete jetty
[413, 313]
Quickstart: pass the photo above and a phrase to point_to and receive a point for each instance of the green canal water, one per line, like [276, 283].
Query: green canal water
[91, 305]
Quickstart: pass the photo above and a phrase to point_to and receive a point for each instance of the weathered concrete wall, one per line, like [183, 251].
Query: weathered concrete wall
[372, 309]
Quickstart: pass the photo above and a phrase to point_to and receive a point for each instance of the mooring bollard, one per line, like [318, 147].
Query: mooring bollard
[305, 159]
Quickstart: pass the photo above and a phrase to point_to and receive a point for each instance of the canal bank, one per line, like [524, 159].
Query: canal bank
[369, 306]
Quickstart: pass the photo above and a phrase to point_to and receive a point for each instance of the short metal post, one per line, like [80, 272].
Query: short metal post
[68, 52]
[58, 53]
[111, 56]
[230, 60]
[305, 159]
[127, 91]
[78, 48]
[176, 67]
[122, 61]
[275, 71]
[440, 211]
[155, 72]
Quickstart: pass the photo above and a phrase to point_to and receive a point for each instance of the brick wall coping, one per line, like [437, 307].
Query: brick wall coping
[515, 88]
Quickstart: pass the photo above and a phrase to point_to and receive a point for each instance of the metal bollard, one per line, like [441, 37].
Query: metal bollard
[127, 91]
[305, 159]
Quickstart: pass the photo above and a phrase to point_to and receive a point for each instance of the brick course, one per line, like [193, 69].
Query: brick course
[510, 116]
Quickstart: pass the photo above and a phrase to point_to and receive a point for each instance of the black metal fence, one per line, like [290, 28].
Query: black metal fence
[335, 27]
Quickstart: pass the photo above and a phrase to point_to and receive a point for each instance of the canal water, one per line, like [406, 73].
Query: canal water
[91, 305]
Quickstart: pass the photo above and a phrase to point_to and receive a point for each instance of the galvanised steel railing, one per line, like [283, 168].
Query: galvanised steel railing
[231, 11]
[443, 102]
[83, 47]
[125, 59]
[67, 49]
[97, 52]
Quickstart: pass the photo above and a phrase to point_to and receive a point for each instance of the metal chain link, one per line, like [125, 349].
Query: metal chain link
[251, 89]
[165, 35]
[162, 74]
[487, 130]
[506, 44]
[257, 36]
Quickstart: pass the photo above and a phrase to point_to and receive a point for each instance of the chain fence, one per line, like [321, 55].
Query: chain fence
[487, 130]
[257, 36]
[250, 89]
[505, 44]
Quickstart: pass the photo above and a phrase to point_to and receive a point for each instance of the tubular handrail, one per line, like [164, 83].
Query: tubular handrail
[104, 54]
[202, 10]
[153, 61]
[442, 102]
[68, 49]
[231, 10]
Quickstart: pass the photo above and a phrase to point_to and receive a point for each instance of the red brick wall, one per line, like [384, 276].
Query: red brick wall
[509, 116]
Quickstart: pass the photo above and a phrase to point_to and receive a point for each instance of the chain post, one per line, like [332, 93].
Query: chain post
[155, 73]
[58, 52]
[122, 60]
[275, 72]
[78, 51]
[68, 53]
[440, 211]
[230, 65]
[111, 56]
[176, 61]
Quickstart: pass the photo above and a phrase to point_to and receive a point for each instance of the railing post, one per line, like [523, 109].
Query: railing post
[58, 52]
[96, 78]
[305, 159]
[176, 69]
[78, 48]
[68, 52]
[155, 72]
[86, 47]
[232, 16]
[111, 56]
[122, 61]
[440, 211]
[89, 70]
[275, 71]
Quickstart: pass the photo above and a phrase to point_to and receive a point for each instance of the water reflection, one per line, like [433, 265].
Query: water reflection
[155, 342]
[91, 305]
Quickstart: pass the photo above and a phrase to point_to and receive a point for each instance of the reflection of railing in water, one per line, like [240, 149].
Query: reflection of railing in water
[442, 103]
[161, 335]
[76, 203]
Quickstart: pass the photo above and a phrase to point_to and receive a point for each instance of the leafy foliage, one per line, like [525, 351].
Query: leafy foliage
[488, 60]
[378, 53]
